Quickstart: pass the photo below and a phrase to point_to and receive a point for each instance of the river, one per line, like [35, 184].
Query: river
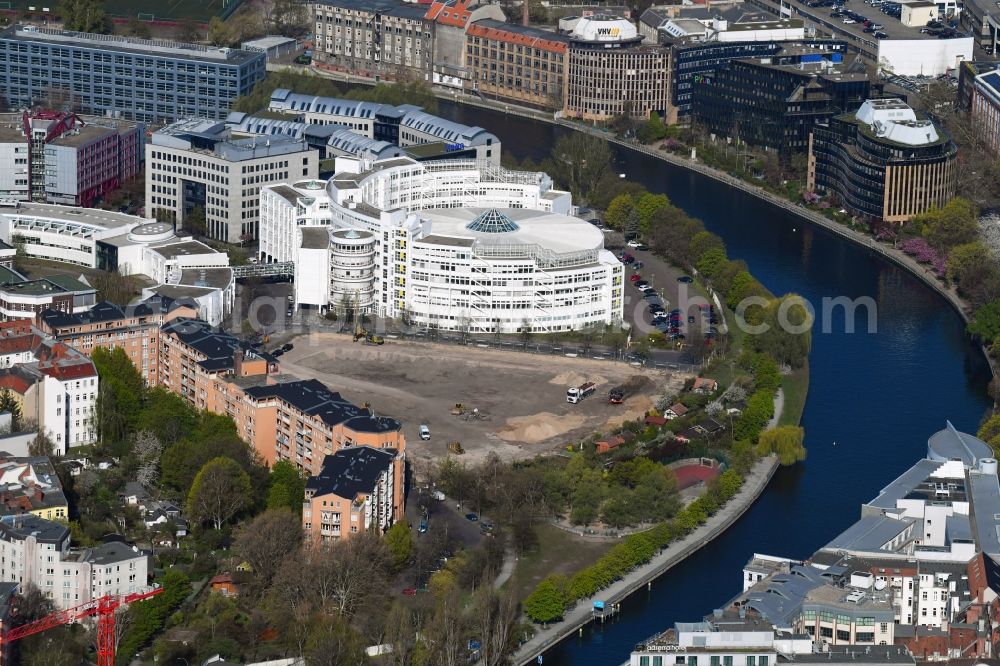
[873, 398]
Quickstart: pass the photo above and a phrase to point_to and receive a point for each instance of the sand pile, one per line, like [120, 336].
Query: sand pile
[539, 427]
[634, 408]
[571, 378]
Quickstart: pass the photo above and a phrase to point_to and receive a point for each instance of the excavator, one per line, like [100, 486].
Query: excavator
[360, 333]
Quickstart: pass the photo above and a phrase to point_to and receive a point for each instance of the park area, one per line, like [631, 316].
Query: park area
[513, 403]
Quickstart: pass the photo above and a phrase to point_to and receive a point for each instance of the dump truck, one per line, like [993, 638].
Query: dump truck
[458, 409]
[617, 395]
[578, 393]
[369, 338]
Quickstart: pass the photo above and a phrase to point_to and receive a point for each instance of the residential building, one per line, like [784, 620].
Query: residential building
[145, 80]
[29, 484]
[985, 108]
[382, 39]
[775, 101]
[134, 329]
[882, 162]
[57, 386]
[433, 240]
[516, 63]
[60, 157]
[178, 266]
[7, 592]
[405, 126]
[304, 422]
[199, 164]
[37, 551]
[358, 489]
[609, 72]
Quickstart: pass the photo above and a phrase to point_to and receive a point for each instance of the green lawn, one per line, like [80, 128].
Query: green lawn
[796, 388]
[171, 10]
[558, 552]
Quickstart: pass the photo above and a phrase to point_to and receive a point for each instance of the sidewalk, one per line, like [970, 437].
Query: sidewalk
[677, 551]
[779, 407]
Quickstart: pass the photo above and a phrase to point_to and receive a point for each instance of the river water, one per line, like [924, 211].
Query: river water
[873, 398]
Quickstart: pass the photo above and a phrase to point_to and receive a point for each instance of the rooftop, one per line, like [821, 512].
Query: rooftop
[870, 533]
[950, 444]
[155, 48]
[313, 398]
[17, 528]
[95, 217]
[315, 238]
[351, 472]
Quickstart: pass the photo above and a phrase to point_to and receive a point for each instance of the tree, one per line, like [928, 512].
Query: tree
[547, 602]
[785, 441]
[220, 491]
[147, 450]
[42, 445]
[788, 337]
[286, 488]
[702, 242]
[114, 287]
[985, 323]
[647, 206]
[119, 395]
[289, 18]
[194, 221]
[400, 544]
[265, 541]
[84, 16]
[712, 262]
[652, 130]
[968, 263]
[9, 403]
[219, 33]
[137, 28]
[617, 213]
[579, 161]
[494, 614]
[954, 224]
[188, 31]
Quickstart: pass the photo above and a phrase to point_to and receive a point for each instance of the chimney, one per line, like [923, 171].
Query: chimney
[525, 11]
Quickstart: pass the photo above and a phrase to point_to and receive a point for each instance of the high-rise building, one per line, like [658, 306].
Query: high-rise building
[985, 108]
[882, 162]
[59, 157]
[147, 80]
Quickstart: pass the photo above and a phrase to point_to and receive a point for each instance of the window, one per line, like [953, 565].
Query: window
[843, 635]
[643, 661]
[751, 661]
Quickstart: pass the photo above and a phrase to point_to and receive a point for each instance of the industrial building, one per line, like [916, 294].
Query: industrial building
[459, 245]
[58, 157]
[882, 162]
[147, 80]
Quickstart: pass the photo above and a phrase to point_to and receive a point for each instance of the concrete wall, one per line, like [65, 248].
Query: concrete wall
[931, 57]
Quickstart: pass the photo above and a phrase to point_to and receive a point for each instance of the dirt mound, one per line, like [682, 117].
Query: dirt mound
[634, 408]
[571, 378]
[539, 427]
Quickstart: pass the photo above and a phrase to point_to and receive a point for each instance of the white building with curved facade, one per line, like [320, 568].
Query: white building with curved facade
[459, 244]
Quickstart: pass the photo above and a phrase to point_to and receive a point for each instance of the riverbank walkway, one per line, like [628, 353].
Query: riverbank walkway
[677, 551]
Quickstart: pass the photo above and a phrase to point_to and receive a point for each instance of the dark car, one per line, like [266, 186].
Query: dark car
[276, 353]
[642, 247]
[654, 308]
[287, 347]
[627, 258]
[690, 319]
[637, 265]
[686, 279]
[471, 517]
[641, 283]
[675, 311]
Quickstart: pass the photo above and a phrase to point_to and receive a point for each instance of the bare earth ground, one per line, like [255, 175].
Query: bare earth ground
[523, 396]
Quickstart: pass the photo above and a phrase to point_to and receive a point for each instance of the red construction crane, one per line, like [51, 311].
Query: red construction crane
[103, 607]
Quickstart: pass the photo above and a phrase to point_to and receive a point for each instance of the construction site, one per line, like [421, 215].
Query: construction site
[476, 400]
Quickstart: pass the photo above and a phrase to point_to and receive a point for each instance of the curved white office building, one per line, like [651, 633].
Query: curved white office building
[458, 244]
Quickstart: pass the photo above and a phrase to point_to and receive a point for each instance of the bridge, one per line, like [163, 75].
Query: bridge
[285, 269]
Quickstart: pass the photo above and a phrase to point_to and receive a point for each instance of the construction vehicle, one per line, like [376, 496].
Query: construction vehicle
[617, 395]
[578, 393]
[361, 333]
[458, 409]
[456, 448]
[103, 607]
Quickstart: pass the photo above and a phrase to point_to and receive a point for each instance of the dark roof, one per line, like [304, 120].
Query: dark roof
[411, 11]
[526, 30]
[106, 311]
[312, 397]
[315, 238]
[112, 552]
[16, 528]
[351, 471]
[200, 336]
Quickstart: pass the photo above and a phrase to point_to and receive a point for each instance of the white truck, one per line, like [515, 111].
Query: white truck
[578, 393]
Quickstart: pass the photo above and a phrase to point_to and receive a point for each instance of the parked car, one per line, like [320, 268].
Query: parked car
[633, 244]
[635, 277]
[437, 495]
[685, 279]
[690, 319]
[423, 526]
[425, 432]
[637, 265]
[471, 517]
[287, 347]
[276, 353]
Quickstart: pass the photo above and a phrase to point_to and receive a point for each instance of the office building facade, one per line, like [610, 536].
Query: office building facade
[59, 157]
[200, 164]
[882, 162]
[146, 80]
[985, 108]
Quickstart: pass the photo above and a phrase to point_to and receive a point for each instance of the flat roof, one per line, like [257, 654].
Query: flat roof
[214, 278]
[315, 238]
[869, 533]
[97, 217]
[268, 41]
[173, 248]
[82, 135]
[904, 483]
[554, 231]
[151, 48]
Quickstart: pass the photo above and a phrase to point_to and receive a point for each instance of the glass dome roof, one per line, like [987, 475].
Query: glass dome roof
[492, 221]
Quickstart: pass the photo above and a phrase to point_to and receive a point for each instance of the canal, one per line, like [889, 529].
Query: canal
[873, 399]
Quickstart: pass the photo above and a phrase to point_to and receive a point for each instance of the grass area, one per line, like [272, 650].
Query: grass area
[558, 552]
[796, 388]
[172, 10]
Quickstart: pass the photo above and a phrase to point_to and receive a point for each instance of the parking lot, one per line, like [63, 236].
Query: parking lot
[514, 403]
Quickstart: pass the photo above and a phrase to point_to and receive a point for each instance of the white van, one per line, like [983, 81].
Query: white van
[425, 432]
